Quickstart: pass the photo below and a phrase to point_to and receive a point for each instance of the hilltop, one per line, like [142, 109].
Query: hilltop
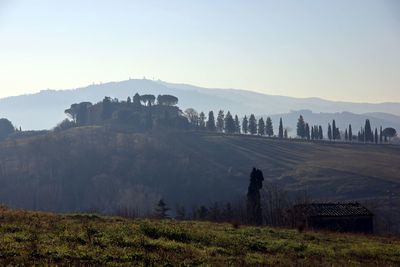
[32, 238]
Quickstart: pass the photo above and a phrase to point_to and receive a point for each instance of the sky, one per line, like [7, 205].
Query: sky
[346, 50]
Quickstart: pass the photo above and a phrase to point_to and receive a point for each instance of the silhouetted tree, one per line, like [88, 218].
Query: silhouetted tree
[254, 211]
[192, 116]
[161, 211]
[129, 100]
[286, 134]
[202, 120]
[148, 99]
[80, 112]
[346, 135]
[337, 134]
[211, 121]
[320, 133]
[381, 135]
[261, 126]
[280, 134]
[220, 121]
[329, 131]
[237, 124]
[245, 125]
[6, 128]
[350, 133]
[301, 127]
[376, 136]
[167, 100]
[136, 100]
[229, 125]
[307, 131]
[269, 129]
[106, 107]
[368, 131]
[252, 124]
[334, 130]
[389, 133]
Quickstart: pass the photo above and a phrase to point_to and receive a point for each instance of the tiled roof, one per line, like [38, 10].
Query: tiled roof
[333, 209]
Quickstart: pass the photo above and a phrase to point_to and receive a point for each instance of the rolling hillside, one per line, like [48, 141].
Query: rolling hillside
[91, 168]
[45, 109]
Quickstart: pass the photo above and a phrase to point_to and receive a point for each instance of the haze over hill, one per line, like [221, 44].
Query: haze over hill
[44, 110]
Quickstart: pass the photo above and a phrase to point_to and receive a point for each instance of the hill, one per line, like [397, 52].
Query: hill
[45, 109]
[30, 238]
[95, 168]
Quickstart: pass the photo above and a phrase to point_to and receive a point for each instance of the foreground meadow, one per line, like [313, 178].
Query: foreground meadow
[33, 238]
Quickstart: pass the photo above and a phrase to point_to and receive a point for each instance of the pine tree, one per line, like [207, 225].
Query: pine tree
[280, 135]
[229, 124]
[211, 122]
[220, 121]
[269, 129]
[252, 124]
[329, 132]
[237, 124]
[261, 126]
[350, 133]
[307, 131]
[376, 136]
[301, 126]
[245, 125]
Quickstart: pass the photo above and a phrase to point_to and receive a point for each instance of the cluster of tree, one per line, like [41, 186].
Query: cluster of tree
[366, 134]
[6, 129]
[227, 123]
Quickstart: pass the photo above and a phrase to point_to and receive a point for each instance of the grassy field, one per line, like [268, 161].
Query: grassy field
[32, 238]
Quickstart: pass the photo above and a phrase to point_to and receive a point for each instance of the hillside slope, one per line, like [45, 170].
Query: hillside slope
[30, 238]
[91, 168]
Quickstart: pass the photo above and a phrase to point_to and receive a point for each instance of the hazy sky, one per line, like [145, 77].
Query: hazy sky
[338, 49]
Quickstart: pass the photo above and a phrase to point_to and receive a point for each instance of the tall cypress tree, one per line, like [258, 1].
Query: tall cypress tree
[376, 136]
[301, 127]
[346, 136]
[312, 133]
[252, 124]
[254, 211]
[285, 135]
[220, 121]
[334, 130]
[269, 129]
[307, 131]
[229, 124]
[329, 131]
[368, 132]
[245, 125]
[350, 133]
[211, 122]
[261, 126]
[321, 133]
[237, 124]
[381, 135]
[280, 128]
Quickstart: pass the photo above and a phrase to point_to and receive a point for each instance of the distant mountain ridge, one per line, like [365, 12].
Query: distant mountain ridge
[45, 109]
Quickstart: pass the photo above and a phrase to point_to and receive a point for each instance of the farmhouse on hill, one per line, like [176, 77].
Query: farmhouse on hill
[341, 217]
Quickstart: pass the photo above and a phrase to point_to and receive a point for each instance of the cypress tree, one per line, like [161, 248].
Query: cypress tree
[269, 129]
[334, 130]
[337, 134]
[301, 127]
[254, 211]
[211, 122]
[202, 121]
[312, 133]
[237, 125]
[261, 126]
[220, 121]
[346, 136]
[229, 124]
[307, 131]
[350, 133]
[252, 124]
[245, 125]
[376, 136]
[329, 131]
[280, 128]
[286, 134]
[321, 133]
[368, 132]
[381, 135]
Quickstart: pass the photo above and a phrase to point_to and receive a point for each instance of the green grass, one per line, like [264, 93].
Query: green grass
[31, 238]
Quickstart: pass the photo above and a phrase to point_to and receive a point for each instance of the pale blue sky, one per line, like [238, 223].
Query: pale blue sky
[338, 49]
